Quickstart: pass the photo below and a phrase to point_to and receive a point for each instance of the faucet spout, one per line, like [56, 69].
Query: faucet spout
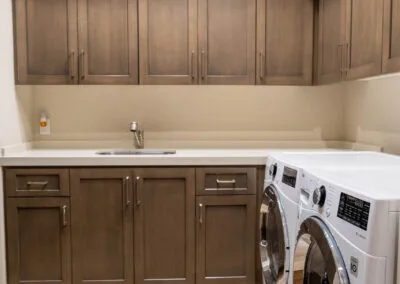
[138, 135]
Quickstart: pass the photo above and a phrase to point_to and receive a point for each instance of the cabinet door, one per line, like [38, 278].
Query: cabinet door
[168, 41]
[364, 38]
[225, 239]
[285, 42]
[38, 240]
[330, 42]
[391, 37]
[227, 35]
[164, 228]
[46, 41]
[102, 226]
[108, 52]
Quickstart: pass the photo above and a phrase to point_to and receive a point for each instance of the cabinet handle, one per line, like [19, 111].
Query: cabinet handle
[192, 66]
[347, 60]
[64, 215]
[201, 213]
[340, 58]
[126, 188]
[82, 64]
[203, 64]
[72, 65]
[262, 65]
[222, 181]
[40, 184]
[138, 201]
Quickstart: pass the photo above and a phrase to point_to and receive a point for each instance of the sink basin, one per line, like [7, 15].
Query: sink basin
[137, 152]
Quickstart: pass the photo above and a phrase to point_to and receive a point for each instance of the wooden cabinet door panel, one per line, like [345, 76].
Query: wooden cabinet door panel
[164, 229]
[331, 38]
[227, 32]
[102, 226]
[168, 41]
[285, 42]
[391, 37]
[225, 239]
[108, 42]
[38, 240]
[46, 41]
[364, 38]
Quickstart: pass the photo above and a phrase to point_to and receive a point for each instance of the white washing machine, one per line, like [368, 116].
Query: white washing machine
[280, 199]
[349, 226]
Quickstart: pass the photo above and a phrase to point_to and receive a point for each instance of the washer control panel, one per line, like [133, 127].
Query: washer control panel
[354, 210]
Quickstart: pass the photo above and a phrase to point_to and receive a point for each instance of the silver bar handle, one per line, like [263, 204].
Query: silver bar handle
[192, 65]
[203, 63]
[138, 201]
[64, 215]
[223, 181]
[262, 68]
[201, 213]
[41, 184]
[72, 65]
[347, 59]
[82, 63]
[126, 188]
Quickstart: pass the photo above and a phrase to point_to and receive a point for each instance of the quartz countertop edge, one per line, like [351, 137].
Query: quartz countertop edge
[89, 158]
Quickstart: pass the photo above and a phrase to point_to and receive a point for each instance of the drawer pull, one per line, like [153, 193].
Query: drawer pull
[40, 184]
[223, 181]
[201, 213]
[64, 215]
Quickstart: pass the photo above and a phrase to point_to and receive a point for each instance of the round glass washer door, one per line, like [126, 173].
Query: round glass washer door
[318, 254]
[274, 246]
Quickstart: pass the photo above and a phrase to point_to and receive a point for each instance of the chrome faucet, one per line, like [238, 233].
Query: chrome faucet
[138, 139]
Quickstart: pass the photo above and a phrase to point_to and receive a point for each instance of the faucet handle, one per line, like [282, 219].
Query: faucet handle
[134, 126]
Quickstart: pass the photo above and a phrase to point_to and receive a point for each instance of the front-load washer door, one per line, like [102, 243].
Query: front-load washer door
[274, 246]
[318, 254]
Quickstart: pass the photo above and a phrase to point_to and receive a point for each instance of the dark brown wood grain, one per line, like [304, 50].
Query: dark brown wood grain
[46, 40]
[364, 38]
[391, 37]
[26, 182]
[109, 39]
[102, 226]
[227, 35]
[245, 181]
[330, 41]
[168, 41]
[285, 42]
[38, 243]
[225, 239]
[164, 225]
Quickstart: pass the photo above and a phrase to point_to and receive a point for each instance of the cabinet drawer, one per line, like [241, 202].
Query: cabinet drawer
[217, 181]
[37, 182]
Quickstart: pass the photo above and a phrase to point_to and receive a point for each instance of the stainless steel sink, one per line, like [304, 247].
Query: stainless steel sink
[136, 152]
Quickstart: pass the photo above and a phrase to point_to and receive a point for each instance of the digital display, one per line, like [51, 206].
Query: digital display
[289, 177]
[354, 210]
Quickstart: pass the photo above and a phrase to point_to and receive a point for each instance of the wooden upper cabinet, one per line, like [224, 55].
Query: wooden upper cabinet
[391, 37]
[46, 41]
[285, 42]
[168, 41]
[164, 226]
[227, 35]
[364, 38]
[330, 41]
[108, 45]
[38, 241]
[226, 228]
[102, 226]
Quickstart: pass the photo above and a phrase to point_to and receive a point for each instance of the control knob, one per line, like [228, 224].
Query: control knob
[319, 196]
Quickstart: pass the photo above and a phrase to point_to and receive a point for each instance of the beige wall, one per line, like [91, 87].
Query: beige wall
[270, 113]
[372, 112]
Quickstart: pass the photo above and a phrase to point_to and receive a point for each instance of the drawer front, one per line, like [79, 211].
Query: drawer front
[37, 182]
[220, 181]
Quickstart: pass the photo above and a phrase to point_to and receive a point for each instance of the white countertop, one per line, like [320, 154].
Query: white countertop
[40, 158]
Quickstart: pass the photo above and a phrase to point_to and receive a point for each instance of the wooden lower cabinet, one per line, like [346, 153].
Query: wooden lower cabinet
[38, 240]
[225, 239]
[164, 228]
[102, 226]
